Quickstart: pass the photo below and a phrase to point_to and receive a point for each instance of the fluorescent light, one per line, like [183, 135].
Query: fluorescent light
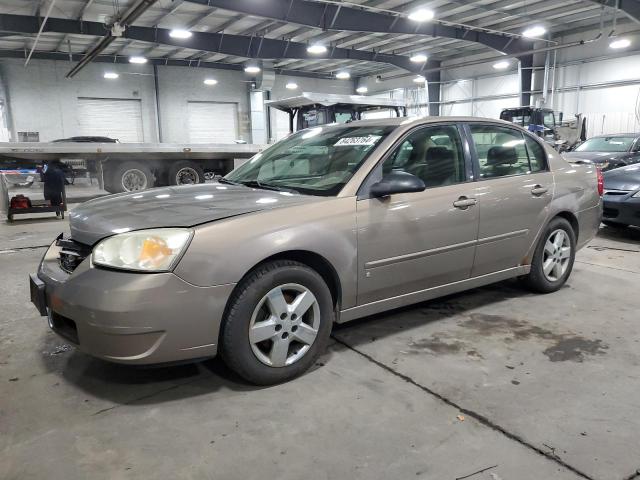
[343, 75]
[291, 85]
[362, 89]
[111, 75]
[316, 48]
[418, 58]
[252, 69]
[419, 79]
[618, 43]
[210, 81]
[421, 15]
[534, 32]
[501, 65]
[178, 33]
[137, 60]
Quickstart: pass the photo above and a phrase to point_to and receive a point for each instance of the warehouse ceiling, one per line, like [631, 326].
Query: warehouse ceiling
[379, 40]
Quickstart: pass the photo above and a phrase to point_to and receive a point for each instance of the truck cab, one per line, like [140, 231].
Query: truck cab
[541, 121]
[314, 109]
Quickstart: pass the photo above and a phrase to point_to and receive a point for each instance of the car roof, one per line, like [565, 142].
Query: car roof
[617, 135]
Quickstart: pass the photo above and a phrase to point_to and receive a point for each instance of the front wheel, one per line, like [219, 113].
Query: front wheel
[553, 258]
[278, 322]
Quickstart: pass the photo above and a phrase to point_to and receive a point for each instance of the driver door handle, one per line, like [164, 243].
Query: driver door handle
[539, 190]
[463, 202]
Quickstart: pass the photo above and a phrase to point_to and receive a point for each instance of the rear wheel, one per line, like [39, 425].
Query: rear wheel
[611, 224]
[131, 177]
[553, 258]
[278, 322]
[185, 173]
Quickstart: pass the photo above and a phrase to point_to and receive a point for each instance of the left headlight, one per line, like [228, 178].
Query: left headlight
[636, 195]
[154, 250]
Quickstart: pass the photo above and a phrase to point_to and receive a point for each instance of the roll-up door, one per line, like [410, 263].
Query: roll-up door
[212, 122]
[110, 117]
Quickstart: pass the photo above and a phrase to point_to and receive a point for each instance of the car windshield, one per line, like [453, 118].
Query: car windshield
[606, 144]
[316, 161]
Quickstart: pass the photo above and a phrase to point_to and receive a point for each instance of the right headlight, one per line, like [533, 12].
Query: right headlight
[155, 250]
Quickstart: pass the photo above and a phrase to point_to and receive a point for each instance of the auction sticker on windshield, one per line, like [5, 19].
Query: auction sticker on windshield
[356, 141]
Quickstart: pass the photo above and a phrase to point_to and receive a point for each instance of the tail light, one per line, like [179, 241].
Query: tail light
[600, 182]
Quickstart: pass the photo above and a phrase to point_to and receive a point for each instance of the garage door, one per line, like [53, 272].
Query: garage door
[212, 122]
[110, 117]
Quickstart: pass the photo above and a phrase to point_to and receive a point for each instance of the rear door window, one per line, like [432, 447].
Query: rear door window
[504, 152]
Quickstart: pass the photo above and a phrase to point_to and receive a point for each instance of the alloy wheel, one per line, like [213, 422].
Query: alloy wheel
[556, 255]
[284, 325]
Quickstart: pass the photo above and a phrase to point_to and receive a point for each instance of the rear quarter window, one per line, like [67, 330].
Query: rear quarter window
[537, 157]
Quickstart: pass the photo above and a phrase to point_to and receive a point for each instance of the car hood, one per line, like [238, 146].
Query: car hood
[596, 157]
[184, 206]
[624, 178]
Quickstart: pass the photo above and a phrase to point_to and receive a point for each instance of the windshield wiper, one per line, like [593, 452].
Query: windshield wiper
[228, 182]
[266, 186]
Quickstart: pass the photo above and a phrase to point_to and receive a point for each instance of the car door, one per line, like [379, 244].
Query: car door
[414, 241]
[514, 189]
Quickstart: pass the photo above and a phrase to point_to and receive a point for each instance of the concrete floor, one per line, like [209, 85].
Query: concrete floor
[525, 386]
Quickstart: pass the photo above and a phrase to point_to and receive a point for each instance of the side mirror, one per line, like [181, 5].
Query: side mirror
[397, 182]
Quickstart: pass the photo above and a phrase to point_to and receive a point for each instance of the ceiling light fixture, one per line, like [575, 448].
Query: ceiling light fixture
[210, 81]
[421, 15]
[501, 65]
[418, 58]
[362, 89]
[618, 43]
[343, 75]
[178, 33]
[316, 48]
[419, 79]
[252, 69]
[137, 60]
[111, 75]
[291, 85]
[534, 32]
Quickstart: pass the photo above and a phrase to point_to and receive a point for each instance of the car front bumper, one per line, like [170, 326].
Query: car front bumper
[125, 317]
[622, 209]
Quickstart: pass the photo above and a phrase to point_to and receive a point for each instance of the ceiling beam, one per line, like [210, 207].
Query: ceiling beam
[328, 16]
[171, 62]
[236, 45]
[631, 8]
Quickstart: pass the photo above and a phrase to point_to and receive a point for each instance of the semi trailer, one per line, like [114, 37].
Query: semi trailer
[125, 167]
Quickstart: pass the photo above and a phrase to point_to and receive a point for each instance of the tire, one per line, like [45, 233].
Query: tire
[185, 173]
[250, 314]
[130, 177]
[558, 258]
[611, 224]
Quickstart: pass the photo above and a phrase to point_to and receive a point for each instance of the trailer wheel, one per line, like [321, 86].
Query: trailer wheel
[131, 177]
[185, 173]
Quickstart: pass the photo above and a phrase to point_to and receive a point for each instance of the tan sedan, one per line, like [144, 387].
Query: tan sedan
[331, 224]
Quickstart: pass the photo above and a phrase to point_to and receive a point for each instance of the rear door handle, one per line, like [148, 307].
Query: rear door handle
[463, 203]
[539, 190]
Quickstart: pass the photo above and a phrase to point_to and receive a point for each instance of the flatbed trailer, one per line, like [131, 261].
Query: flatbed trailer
[121, 167]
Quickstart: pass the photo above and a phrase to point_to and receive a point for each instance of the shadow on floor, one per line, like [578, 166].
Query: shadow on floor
[141, 385]
[368, 329]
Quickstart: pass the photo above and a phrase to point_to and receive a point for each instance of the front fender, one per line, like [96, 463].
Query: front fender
[224, 251]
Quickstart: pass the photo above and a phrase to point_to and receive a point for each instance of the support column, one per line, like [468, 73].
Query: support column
[526, 72]
[433, 93]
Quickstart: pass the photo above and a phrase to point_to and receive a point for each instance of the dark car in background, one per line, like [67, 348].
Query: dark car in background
[622, 197]
[608, 151]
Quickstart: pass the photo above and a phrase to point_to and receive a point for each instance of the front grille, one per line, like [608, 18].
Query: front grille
[72, 253]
